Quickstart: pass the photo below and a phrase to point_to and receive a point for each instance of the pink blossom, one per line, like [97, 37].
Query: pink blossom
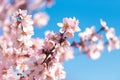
[48, 44]
[89, 32]
[113, 43]
[56, 73]
[110, 33]
[41, 19]
[24, 28]
[69, 26]
[94, 54]
[61, 54]
[50, 35]
[23, 57]
[95, 50]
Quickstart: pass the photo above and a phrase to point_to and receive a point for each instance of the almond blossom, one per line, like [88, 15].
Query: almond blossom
[110, 33]
[69, 26]
[41, 19]
[92, 42]
[23, 57]
[95, 50]
[24, 27]
[113, 43]
[88, 34]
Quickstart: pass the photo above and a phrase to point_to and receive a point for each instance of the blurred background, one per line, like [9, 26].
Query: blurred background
[88, 12]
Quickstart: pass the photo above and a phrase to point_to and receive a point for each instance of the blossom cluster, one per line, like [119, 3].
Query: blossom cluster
[93, 42]
[7, 7]
[23, 57]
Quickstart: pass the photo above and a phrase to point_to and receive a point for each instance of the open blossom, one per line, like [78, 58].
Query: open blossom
[56, 37]
[69, 26]
[94, 54]
[48, 44]
[41, 19]
[69, 23]
[23, 27]
[50, 35]
[113, 43]
[22, 53]
[91, 43]
[35, 68]
[56, 72]
[92, 49]
[25, 58]
[110, 33]
[87, 34]
[25, 21]
[95, 50]
[64, 53]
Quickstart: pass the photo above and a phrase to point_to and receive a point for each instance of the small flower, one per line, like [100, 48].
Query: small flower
[95, 50]
[48, 45]
[88, 34]
[110, 33]
[64, 53]
[56, 72]
[69, 23]
[113, 43]
[94, 54]
[50, 35]
[24, 28]
[69, 34]
[41, 19]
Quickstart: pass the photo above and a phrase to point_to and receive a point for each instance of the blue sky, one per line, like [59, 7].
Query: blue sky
[89, 13]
